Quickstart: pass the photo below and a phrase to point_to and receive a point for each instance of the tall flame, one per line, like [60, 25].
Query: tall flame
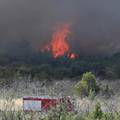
[59, 45]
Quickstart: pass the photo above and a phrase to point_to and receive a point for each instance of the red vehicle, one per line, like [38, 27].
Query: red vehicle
[44, 103]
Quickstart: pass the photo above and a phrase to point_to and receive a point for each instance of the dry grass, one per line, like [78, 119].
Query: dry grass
[11, 101]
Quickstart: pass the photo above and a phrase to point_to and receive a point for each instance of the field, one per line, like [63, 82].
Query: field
[11, 104]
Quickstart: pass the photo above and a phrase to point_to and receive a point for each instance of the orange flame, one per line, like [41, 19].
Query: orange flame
[59, 45]
[72, 55]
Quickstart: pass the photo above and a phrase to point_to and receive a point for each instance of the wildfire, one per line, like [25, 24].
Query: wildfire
[72, 55]
[59, 45]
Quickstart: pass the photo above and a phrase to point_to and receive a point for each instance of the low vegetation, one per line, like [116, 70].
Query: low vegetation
[24, 60]
[43, 66]
[60, 113]
[39, 66]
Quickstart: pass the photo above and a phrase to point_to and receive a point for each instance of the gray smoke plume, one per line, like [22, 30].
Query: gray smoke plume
[95, 23]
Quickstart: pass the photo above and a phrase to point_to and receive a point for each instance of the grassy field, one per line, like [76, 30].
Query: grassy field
[102, 107]
[86, 110]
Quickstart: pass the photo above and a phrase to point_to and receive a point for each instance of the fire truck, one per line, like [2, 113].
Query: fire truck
[45, 102]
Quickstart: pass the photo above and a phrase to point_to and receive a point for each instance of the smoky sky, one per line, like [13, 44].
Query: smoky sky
[95, 24]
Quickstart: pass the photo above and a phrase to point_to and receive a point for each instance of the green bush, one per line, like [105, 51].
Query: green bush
[86, 85]
[97, 112]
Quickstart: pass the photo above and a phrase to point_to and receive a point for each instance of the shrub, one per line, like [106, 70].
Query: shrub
[97, 112]
[86, 85]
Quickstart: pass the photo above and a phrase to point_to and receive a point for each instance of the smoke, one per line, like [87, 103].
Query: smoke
[95, 23]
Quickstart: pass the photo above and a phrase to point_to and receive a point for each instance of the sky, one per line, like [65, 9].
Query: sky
[95, 24]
